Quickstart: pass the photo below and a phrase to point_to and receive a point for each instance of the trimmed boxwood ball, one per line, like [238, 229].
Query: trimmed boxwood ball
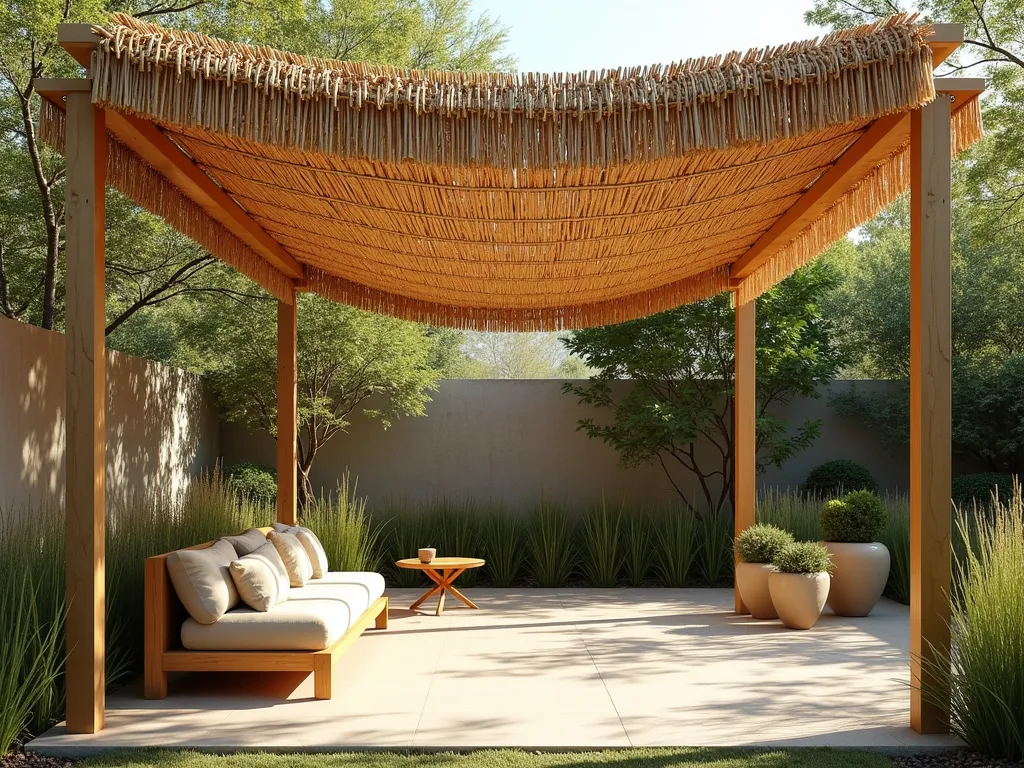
[254, 481]
[839, 476]
[858, 517]
[802, 557]
[759, 543]
[968, 489]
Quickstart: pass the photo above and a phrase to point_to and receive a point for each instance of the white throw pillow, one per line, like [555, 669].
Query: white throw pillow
[300, 569]
[310, 542]
[202, 580]
[261, 578]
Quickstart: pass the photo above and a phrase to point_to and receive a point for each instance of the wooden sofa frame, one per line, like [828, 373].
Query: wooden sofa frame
[164, 653]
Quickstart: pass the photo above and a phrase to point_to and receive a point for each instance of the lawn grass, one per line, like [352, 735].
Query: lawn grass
[505, 758]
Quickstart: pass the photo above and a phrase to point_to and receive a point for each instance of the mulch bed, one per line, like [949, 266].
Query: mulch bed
[19, 759]
[956, 759]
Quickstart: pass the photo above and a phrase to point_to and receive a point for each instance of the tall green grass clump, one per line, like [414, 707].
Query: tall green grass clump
[985, 672]
[406, 528]
[350, 537]
[896, 538]
[601, 545]
[640, 550]
[504, 546]
[676, 536]
[793, 511]
[716, 547]
[459, 528]
[549, 536]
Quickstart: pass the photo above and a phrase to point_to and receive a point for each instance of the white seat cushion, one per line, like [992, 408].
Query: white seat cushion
[312, 619]
[372, 582]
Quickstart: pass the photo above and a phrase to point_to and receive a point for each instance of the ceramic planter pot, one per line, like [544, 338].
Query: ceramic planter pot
[426, 554]
[798, 597]
[752, 582]
[859, 573]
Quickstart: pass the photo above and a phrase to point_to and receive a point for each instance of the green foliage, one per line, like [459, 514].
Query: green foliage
[858, 517]
[641, 547]
[802, 557]
[716, 554]
[601, 546]
[980, 488]
[348, 534]
[986, 670]
[458, 531]
[676, 534]
[504, 546]
[796, 512]
[839, 476]
[255, 481]
[896, 538]
[760, 543]
[550, 538]
[408, 527]
[680, 369]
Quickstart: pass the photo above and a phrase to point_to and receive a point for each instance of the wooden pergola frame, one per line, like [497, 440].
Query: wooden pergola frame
[926, 129]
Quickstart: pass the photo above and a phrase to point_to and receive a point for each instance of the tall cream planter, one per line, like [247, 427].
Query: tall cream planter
[752, 582]
[798, 597]
[859, 574]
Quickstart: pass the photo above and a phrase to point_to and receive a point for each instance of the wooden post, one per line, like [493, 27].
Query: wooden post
[744, 408]
[287, 411]
[85, 405]
[930, 410]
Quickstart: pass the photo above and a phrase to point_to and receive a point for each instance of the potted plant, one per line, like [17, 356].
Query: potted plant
[799, 583]
[756, 547]
[850, 527]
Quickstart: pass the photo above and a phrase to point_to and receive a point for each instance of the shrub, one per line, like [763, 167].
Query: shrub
[858, 517]
[458, 532]
[791, 511]
[601, 546]
[675, 533]
[550, 542]
[760, 543]
[253, 481]
[985, 673]
[839, 476]
[802, 557]
[980, 488]
[406, 528]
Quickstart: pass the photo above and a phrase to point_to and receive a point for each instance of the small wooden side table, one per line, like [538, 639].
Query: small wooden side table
[442, 571]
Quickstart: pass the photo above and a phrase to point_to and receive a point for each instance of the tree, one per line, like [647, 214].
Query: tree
[676, 410]
[521, 356]
[348, 361]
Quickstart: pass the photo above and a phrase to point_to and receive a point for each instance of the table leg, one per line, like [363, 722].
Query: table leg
[428, 595]
[440, 603]
[444, 582]
[461, 596]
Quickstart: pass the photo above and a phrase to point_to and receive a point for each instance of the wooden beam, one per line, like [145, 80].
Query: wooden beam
[85, 408]
[78, 40]
[287, 411]
[879, 141]
[945, 39]
[930, 412]
[150, 143]
[744, 415]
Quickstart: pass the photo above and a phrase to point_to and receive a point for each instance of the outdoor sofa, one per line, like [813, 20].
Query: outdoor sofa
[198, 616]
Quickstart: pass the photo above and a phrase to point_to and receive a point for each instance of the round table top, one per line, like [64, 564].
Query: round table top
[440, 563]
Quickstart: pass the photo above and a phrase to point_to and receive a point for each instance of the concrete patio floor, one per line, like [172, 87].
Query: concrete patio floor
[568, 668]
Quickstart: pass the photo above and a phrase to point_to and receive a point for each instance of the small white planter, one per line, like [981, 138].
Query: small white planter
[798, 597]
[859, 573]
[752, 583]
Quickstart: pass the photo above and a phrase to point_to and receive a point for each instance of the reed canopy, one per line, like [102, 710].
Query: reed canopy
[519, 201]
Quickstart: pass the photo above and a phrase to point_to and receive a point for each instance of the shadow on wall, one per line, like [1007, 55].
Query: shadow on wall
[161, 428]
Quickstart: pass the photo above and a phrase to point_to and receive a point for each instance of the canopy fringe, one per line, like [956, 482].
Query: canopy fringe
[690, 289]
[879, 188]
[511, 120]
[144, 186]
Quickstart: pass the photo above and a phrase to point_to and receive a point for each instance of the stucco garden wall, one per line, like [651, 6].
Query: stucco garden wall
[517, 440]
[161, 427]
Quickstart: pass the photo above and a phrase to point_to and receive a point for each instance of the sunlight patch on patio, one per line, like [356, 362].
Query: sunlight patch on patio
[567, 668]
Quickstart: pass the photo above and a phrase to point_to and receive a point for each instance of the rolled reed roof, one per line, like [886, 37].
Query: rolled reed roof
[514, 201]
